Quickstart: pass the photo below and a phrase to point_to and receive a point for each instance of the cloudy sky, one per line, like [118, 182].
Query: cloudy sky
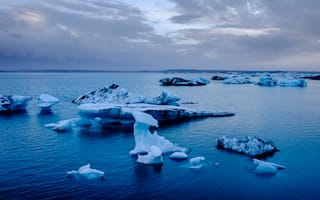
[160, 34]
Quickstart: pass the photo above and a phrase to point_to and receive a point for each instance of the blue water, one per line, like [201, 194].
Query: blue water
[34, 160]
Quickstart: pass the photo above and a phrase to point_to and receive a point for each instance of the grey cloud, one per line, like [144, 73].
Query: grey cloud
[183, 18]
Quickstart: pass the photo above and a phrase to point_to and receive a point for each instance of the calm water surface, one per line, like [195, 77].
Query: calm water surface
[34, 160]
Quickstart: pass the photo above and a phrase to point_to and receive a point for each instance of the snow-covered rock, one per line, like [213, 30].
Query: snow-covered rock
[179, 156]
[177, 81]
[13, 102]
[154, 156]
[121, 114]
[86, 172]
[267, 81]
[292, 83]
[251, 146]
[263, 167]
[46, 101]
[144, 139]
[196, 162]
[118, 95]
[237, 80]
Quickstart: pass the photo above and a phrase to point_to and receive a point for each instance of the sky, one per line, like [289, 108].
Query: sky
[160, 34]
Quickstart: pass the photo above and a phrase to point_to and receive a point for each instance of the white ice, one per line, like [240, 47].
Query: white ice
[263, 167]
[46, 101]
[154, 156]
[252, 146]
[237, 80]
[144, 139]
[184, 81]
[118, 95]
[86, 172]
[196, 162]
[292, 83]
[13, 102]
[179, 156]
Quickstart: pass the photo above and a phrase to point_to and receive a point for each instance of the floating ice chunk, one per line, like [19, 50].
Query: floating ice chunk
[13, 102]
[154, 156]
[217, 78]
[251, 146]
[179, 156]
[292, 83]
[184, 82]
[196, 162]
[86, 172]
[46, 101]
[64, 125]
[237, 80]
[263, 167]
[144, 139]
[165, 98]
[267, 81]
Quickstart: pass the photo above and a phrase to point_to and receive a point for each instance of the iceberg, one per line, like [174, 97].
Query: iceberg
[13, 103]
[121, 114]
[177, 81]
[263, 167]
[179, 156]
[312, 77]
[46, 101]
[145, 136]
[251, 146]
[292, 83]
[196, 162]
[118, 95]
[154, 156]
[86, 172]
[237, 80]
[217, 78]
[267, 81]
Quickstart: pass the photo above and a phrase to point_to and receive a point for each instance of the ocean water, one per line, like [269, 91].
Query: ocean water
[34, 160]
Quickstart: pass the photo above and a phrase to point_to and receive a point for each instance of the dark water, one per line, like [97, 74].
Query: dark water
[34, 160]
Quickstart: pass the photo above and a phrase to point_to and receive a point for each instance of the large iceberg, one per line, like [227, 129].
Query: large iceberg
[267, 81]
[13, 102]
[251, 146]
[145, 139]
[121, 114]
[118, 95]
[292, 83]
[177, 81]
[263, 167]
[46, 101]
[237, 80]
[86, 172]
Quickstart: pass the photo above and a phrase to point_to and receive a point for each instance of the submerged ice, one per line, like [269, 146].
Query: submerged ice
[263, 167]
[86, 172]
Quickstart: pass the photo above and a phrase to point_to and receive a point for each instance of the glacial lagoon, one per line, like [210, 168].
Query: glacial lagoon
[34, 160]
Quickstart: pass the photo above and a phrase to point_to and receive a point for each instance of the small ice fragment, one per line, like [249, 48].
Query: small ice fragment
[179, 156]
[86, 172]
[46, 101]
[196, 162]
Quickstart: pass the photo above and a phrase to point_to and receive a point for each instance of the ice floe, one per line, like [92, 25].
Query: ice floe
[267, 81]
[263, 167]
[86, 172]
[144, 138]
[251, 146]
[118, 95]
[237, 80]
[46, 101]
[67, 124]
[121, 114]
[292, 83]
[13, 102]
[179, 156]
[177, 81]
[196, 162]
